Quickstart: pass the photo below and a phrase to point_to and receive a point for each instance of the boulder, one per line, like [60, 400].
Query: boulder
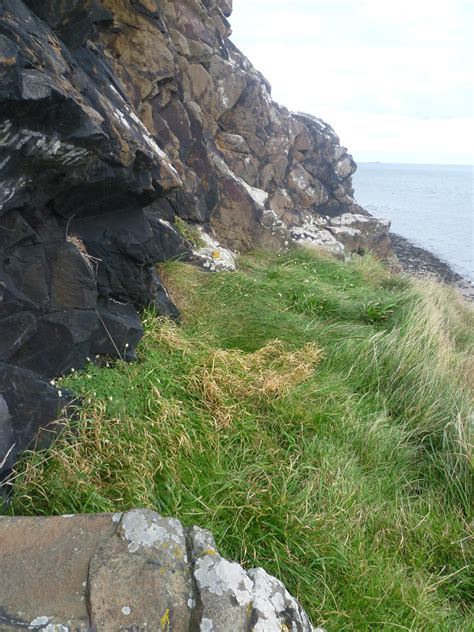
[132, 571]
[360, 232]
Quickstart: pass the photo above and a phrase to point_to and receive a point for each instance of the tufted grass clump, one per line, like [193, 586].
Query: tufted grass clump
[315, 415]
[189, 232]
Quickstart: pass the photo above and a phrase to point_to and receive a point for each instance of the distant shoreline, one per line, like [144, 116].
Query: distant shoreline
[420, 262]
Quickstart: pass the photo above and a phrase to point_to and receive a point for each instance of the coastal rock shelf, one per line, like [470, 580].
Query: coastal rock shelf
[132, 571]
[133, 132]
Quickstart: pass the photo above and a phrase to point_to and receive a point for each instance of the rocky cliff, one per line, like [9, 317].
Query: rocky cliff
[132, 132]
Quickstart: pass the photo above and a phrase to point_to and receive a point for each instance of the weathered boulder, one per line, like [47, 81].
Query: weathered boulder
[118, 120]
[132, 571]
[360, 232]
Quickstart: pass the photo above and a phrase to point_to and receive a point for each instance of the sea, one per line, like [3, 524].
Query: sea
[430, 205]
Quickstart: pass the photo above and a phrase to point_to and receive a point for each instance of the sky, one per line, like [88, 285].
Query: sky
[394, 78]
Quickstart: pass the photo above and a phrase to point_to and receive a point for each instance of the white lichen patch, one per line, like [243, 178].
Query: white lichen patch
[268, 592]
[144, 132]
[219, 576]
[202, 542]
[38, 622]
[38, 144]
[268, 601]
[206, 625]
[147, 530]
[9, 187]
[259, 196]
[4, 161]
[348, 219]
[344, 231]
[344, 168]
[213, 256]
[275, 608]
[5, 127]
[311, 234]
[362, 222]
[164, 222]
[271, 219]
[42, 623]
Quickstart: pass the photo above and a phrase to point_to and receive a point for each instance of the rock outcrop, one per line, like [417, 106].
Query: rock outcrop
[133, 571]
[132, 132]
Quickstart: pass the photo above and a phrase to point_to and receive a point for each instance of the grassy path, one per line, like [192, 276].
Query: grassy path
[314, 415]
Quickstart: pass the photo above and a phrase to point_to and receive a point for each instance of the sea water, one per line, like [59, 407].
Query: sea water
[431, 205]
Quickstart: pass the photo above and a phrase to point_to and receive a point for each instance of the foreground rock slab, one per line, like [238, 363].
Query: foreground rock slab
[132, 571]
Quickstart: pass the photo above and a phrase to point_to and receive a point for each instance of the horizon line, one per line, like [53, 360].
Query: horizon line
[426, 164]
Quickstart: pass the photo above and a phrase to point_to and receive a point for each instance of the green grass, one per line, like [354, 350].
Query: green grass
[314, 415]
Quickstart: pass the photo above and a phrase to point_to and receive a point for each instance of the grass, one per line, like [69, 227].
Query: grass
[313, 414]
[189, 232]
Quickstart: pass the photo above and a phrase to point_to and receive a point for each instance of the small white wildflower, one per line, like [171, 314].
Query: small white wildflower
[127, 345]
[280, 294]
[96, 357]
[107, 364]
[52, 382]
[88, 359]
[72, 369]
[60, 393]
[110, 398]
[89, 376]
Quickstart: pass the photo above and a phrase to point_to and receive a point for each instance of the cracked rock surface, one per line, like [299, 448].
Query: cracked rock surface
[135, 571]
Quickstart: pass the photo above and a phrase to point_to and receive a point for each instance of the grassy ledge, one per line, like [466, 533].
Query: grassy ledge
[313, 414]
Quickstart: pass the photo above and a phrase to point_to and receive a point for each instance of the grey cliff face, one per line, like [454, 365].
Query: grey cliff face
[133, 571]
[119, 119]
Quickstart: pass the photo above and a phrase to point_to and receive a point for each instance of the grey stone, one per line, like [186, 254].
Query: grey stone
[133, 571]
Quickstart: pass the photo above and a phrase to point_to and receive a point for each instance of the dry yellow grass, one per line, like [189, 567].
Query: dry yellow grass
[229, 377]
[90, 261]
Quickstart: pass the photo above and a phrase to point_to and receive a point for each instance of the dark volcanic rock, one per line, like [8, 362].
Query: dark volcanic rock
[120, 329]
[27, 404]
[118, 118]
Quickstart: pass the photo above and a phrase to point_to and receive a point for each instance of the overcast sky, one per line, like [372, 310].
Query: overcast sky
[393, 77]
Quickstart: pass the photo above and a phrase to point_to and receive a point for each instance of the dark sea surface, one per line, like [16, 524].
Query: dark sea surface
[431, 205]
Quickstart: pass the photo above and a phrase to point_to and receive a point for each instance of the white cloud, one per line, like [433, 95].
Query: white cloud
[404, 62]
[392, 138]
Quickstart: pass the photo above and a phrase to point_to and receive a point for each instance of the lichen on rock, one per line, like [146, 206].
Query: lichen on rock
[115, 572]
